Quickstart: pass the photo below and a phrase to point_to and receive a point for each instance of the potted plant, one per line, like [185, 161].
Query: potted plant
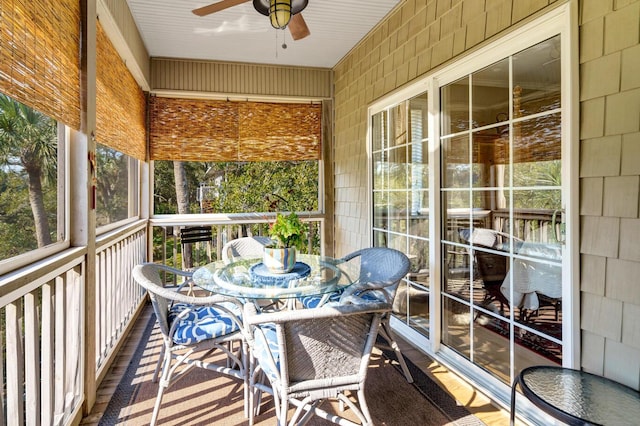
[288, 233]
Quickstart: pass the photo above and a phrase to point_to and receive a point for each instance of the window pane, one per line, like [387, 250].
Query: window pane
[380, 170]
[533, 349]
[455, 162]
[419, 257]
[380, 209]
[537, 151]
[31, 208]
[398, 211]
[399, 125]
[455, 209]
[418, 115]
[491, 337]
[411, 305]
[419, 160]
[398, 242]
[490, 157]
[536, 78]
[455, 107]
[113, 186]
[456, 319]
[234, 187]
[490, 91]
[398, 166]
[379, 131]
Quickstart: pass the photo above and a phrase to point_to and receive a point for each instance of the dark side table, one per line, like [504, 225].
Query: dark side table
[576, 397]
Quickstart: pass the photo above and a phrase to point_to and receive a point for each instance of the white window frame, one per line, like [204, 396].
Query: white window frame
[133, 192]
[64, 182]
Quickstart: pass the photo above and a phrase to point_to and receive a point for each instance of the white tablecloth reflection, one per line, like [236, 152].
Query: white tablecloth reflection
[532, 277]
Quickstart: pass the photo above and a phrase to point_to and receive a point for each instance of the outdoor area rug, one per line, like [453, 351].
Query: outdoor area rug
[208, 398]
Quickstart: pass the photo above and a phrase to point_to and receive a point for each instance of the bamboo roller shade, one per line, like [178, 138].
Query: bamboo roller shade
[538, 139]
[120, 103]
[40, 56]
[213, 130]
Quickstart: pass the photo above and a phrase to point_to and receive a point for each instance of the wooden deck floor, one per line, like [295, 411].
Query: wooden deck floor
[475, 402]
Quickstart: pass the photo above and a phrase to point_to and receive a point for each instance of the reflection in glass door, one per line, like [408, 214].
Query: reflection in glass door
[399, 148]
[500, 140]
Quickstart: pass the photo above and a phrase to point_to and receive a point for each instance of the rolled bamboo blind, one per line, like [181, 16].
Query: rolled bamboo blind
[213, 130]
[120, 103]
[40, 56]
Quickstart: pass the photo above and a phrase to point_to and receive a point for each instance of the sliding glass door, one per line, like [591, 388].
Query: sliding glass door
[501, 204]
[471, 173]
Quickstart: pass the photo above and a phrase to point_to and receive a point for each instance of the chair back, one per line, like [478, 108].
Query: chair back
[243, 247]
[148, 276]
[491, 267]
[382, 266]
[331, 345]
[197, 246]
[484, 237]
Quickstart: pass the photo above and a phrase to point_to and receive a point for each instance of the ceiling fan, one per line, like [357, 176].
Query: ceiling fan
[283, 13]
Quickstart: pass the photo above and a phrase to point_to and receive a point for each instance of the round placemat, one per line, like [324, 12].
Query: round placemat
[261, 275]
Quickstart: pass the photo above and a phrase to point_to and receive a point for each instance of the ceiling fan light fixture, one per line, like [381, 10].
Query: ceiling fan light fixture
[279, 11]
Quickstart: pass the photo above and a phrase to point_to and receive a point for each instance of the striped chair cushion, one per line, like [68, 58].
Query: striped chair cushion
[266, 348]
[314, 301]
[202, 323]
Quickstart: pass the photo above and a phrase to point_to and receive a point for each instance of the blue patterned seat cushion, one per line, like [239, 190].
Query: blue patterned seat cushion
[266, 346]
[202, 322]
[313, 301]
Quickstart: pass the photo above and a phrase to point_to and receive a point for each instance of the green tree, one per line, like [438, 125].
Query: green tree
[113, 181]
[28, 142]
[17, 233]
[236, 187]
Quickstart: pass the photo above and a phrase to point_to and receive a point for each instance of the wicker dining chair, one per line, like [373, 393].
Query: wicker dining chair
[244, 247]
[193, 329]
[169, 279]
[381, 270]
[310, 355]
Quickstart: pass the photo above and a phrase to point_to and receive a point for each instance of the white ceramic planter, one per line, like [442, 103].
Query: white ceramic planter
[279, 260]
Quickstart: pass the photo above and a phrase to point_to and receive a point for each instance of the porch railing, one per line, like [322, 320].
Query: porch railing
[117, 295]
[530, 224]
[42, 334]
[41, 340]
[169, 250]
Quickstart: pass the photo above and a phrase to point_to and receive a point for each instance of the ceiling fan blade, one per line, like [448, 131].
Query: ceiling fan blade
[217, 7]
[298, 27]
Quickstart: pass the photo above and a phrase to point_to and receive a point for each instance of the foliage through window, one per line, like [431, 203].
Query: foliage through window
[29, 167]
[235, 187]
[116, 180]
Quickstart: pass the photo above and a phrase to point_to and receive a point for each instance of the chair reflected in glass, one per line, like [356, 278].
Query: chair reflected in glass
[491, 267]
[310, 355]
[541, 281]
[193, 330]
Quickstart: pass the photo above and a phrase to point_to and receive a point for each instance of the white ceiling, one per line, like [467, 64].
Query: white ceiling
[241, 34]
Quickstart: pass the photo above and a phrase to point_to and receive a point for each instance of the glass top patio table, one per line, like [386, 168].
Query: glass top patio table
[576, 397]
[248, 278]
